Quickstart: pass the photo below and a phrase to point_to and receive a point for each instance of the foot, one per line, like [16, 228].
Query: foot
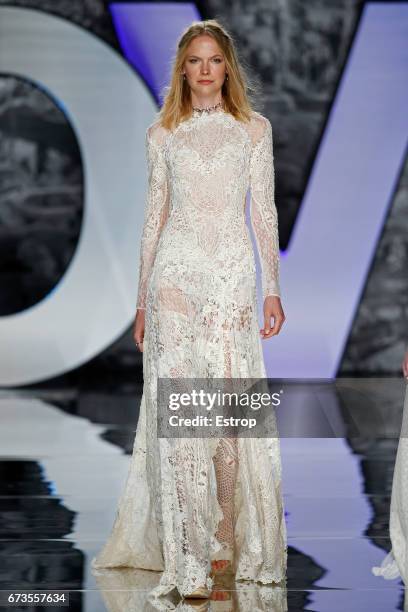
[221, 567]
[220, 564]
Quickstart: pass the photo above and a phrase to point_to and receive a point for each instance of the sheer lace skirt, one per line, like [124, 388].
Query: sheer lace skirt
[190, 500]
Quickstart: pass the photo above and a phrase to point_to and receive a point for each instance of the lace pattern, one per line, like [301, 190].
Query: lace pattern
[187, 499]
[208, 172]
[395, 563]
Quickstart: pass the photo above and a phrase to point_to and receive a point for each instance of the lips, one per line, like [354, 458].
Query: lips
[205, 81]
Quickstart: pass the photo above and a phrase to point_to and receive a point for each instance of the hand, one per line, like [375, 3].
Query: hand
[405, 365]
[272, 308]
[139, 327]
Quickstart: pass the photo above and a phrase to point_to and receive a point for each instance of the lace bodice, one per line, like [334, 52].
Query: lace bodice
[190, 500]
[198, 178]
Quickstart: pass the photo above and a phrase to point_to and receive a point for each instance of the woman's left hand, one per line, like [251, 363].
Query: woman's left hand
[272, 308]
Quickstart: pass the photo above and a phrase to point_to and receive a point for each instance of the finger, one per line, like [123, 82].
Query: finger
[278, 322]
[265, 331]
[138, 337]
[276, 328]
[267, 326]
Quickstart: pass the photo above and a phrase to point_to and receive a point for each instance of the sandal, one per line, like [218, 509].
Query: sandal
[225, 569]
[226, 556]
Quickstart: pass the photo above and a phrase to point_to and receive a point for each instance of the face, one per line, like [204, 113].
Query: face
[204, 66]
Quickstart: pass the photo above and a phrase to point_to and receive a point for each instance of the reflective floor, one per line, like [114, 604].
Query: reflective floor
[64, 461]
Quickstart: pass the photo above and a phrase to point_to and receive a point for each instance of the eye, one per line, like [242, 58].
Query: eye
[192, 61]
[218, 60]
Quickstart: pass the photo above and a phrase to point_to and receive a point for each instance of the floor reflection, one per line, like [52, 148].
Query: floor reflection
[61, 476]
[127, 590]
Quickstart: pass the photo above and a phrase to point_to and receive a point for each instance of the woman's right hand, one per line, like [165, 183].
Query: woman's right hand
[139, 328]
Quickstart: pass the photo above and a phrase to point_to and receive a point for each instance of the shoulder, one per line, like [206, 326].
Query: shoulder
[258, 126]
[156, 134]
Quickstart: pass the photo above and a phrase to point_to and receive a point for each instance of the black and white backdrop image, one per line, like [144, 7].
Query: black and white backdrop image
[298, 49]
[66, 441]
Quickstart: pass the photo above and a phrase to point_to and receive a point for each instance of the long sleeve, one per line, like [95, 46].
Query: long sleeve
[156, 207]
[264, 217]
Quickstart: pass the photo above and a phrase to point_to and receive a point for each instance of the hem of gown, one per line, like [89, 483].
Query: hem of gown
[263, 577]
[388, 569]
[165, 587]
[168, 581]
[119, 564]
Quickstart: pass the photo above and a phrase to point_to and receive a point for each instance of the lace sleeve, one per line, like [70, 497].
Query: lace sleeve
[156, 207]
[264, 217]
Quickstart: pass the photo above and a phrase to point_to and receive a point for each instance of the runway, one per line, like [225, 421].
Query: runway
[64, 460]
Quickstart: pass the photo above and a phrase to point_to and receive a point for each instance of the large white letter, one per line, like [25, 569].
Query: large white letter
[109, 108]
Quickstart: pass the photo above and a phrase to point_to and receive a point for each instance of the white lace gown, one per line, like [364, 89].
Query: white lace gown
[395, 563]
[187, 501]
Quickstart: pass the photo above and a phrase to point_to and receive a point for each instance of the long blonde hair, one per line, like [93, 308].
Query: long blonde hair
[237, 91]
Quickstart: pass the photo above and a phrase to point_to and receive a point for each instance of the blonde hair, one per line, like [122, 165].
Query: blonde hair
[237, 90]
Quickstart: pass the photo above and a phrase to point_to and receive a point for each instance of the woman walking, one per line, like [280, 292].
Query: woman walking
[195, 507]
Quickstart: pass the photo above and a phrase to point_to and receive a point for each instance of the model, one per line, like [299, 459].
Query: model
[195, 507]
[395, 563]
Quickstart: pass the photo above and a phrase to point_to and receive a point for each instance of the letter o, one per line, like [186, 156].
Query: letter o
[109, 108]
